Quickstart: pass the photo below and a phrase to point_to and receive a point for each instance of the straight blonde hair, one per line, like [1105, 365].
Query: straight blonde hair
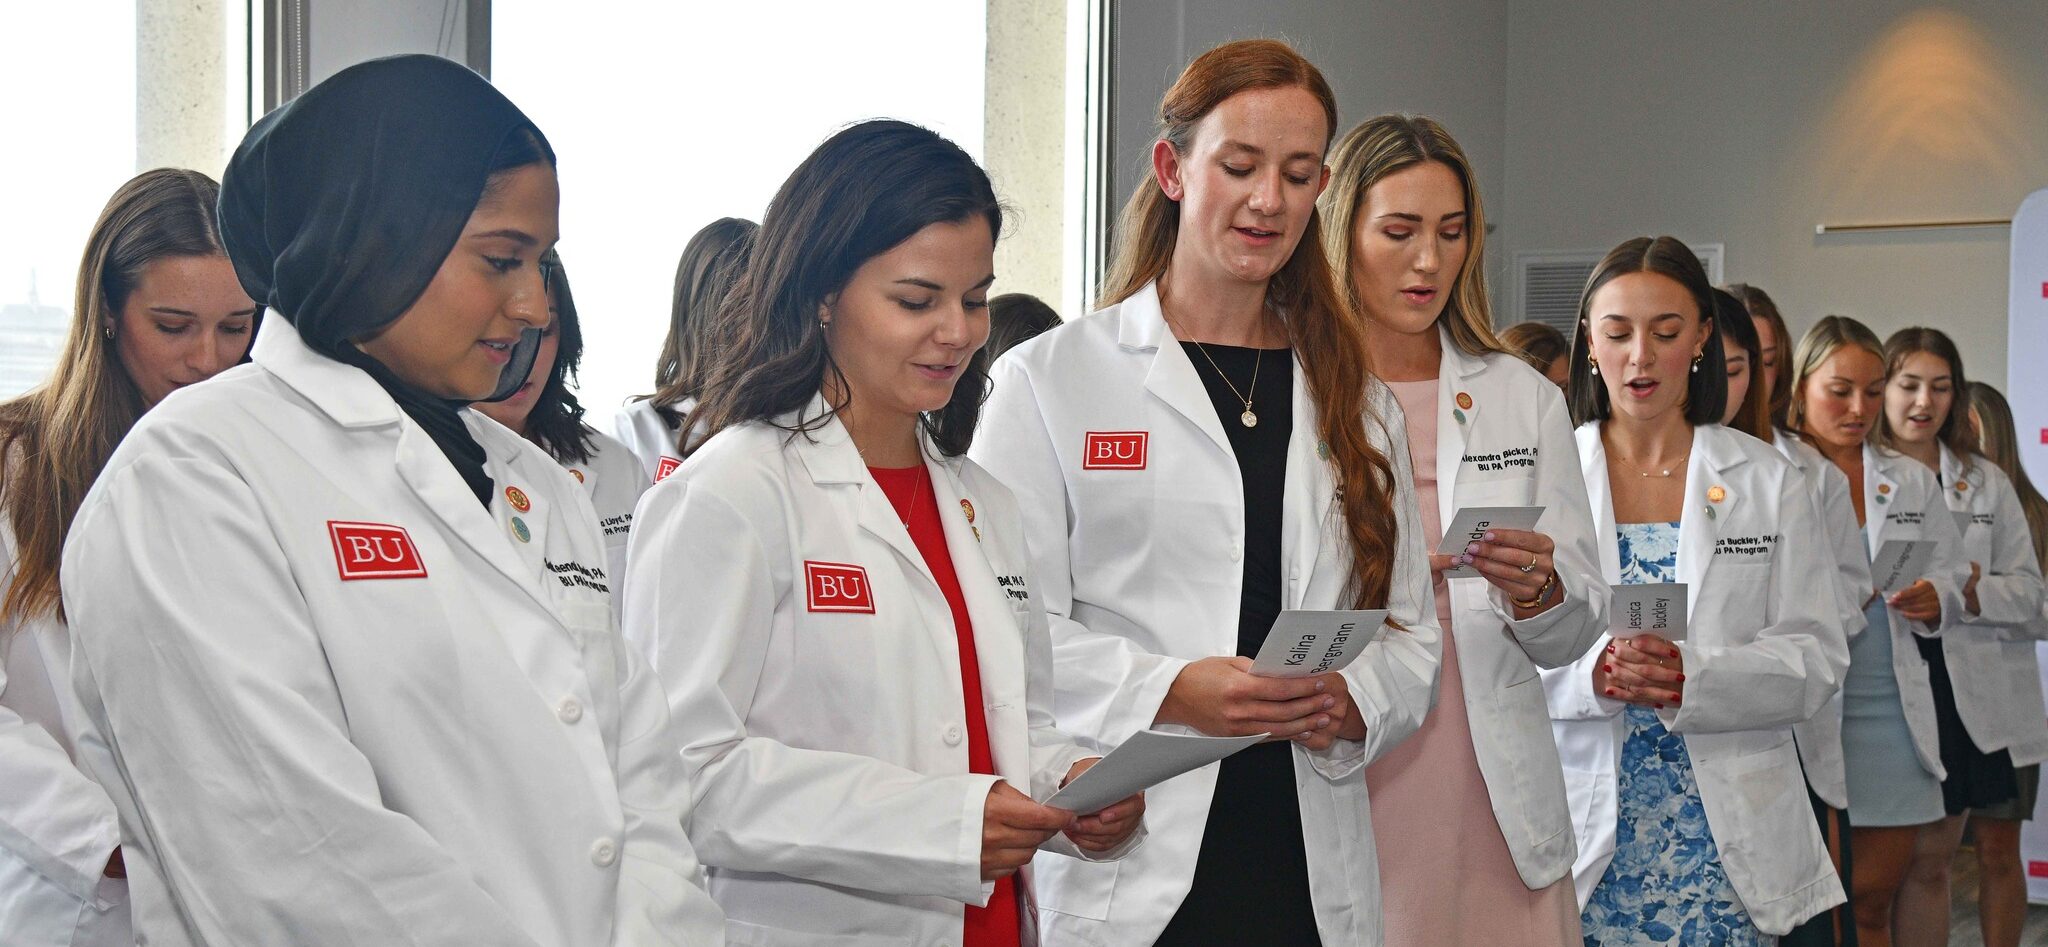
[1379, 147]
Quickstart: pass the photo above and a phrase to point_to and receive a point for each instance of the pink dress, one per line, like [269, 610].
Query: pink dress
[1445, 873]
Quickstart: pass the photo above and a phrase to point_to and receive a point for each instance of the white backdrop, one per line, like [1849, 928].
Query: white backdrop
[668, 116]
[2026, 387]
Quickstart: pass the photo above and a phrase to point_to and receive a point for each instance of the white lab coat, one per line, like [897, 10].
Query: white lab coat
[1820, 739]
[1902, 500]
[304, 751]
[1513, 447]
[57, 826]
[613, 479]
[638, 426]
[1991, 654]
[828, 749]
[1761, 653]
[1140, 570]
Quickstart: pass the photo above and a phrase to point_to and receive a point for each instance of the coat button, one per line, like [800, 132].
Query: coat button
[569, 710]
[1236, 553]
[603, 852]
[953, 735]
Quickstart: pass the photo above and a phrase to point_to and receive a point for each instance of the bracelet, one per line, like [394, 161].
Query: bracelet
[1549, 583]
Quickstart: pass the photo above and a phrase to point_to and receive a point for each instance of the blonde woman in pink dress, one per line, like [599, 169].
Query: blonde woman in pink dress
[1475, 839]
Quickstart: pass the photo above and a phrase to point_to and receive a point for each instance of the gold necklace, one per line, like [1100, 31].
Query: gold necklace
[1666, 472]
[1248, 419]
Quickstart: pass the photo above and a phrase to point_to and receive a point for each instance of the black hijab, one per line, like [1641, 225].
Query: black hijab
[339, 207]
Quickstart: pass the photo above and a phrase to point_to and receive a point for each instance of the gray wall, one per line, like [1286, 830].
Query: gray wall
[1741, 122]
[1379, 56]
[1748, 123]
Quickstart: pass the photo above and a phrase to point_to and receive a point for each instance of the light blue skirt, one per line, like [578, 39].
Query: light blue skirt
[1887, 784]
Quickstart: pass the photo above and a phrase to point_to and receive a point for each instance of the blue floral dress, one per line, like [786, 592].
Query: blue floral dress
[1665, 884]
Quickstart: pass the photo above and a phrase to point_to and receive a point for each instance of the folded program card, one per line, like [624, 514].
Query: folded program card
[1657, 608]
[1148, 758]
[1470, 524]
[1305, 643]
[1901, 562]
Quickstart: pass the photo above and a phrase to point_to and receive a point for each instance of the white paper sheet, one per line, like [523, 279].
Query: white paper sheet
[1471, 523]
[1901, 562]
[1148, 758]
[1656, 608]
[1306, 643]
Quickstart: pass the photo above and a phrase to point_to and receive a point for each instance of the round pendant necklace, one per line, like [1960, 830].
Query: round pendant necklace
[1248, 418]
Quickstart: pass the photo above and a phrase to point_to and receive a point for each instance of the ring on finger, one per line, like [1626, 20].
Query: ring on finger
[1531, 567]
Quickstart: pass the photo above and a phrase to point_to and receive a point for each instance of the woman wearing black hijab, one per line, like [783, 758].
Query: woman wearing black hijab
[345, 648]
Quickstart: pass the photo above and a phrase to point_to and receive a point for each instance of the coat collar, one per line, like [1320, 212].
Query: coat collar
[1455, 420]
[828, 454]
[1713, 470]
[345, 393]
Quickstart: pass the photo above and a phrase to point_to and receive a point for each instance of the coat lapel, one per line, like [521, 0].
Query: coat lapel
[1593, 464]
[1455, 421]
[830, 457]
[1171, 377]
[1880, 490]
[1710, 502]
[998, 645]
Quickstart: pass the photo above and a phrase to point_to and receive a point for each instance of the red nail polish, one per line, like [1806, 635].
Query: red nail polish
[1660, 706]
[1609, 668]
[1610, 692]
[1681, 678]
[1610, 649]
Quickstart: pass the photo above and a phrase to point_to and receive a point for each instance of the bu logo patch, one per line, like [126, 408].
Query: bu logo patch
[374, 551]
[667, 466]
[1114, 450]
[838, 587]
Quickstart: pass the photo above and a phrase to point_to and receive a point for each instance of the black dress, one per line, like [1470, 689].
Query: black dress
[1976, 779]
[1251, 878]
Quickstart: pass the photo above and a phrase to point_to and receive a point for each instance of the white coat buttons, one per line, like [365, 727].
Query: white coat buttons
[603, 852]
[569, 710]
[953, 735]
[1236, 553]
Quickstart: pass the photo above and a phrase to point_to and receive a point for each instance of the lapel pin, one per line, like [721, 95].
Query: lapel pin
[977, 532]
[1883, 491]
[517, 498]
[520, 531]
[578, 474]
[1323, 449]
[1465, 401]
[1716, 494]
[967, 507]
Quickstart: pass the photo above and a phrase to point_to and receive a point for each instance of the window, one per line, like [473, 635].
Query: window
[90, 107]
[679, 114]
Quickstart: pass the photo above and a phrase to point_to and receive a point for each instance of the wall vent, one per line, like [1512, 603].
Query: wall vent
[1548, 283]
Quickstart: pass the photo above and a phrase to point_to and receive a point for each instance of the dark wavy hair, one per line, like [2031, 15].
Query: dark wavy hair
[1016, 318]
[866, 189]
[556, 422]
[1706, 392]
[1731, 319]
[710, 263]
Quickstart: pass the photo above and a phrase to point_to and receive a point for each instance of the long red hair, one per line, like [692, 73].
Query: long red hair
[1326, 338]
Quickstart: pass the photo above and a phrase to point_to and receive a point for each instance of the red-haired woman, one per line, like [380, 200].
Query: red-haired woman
[1203, 453]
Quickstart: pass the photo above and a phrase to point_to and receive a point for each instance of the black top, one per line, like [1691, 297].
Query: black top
[1251, 878]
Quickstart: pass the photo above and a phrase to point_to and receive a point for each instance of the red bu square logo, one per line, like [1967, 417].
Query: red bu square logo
[2037, 869]
[838, 587]
[1115, 450]
[374, 551]
[667, 466]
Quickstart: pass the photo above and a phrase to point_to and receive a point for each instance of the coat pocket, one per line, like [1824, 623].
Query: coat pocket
[1074, 887]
